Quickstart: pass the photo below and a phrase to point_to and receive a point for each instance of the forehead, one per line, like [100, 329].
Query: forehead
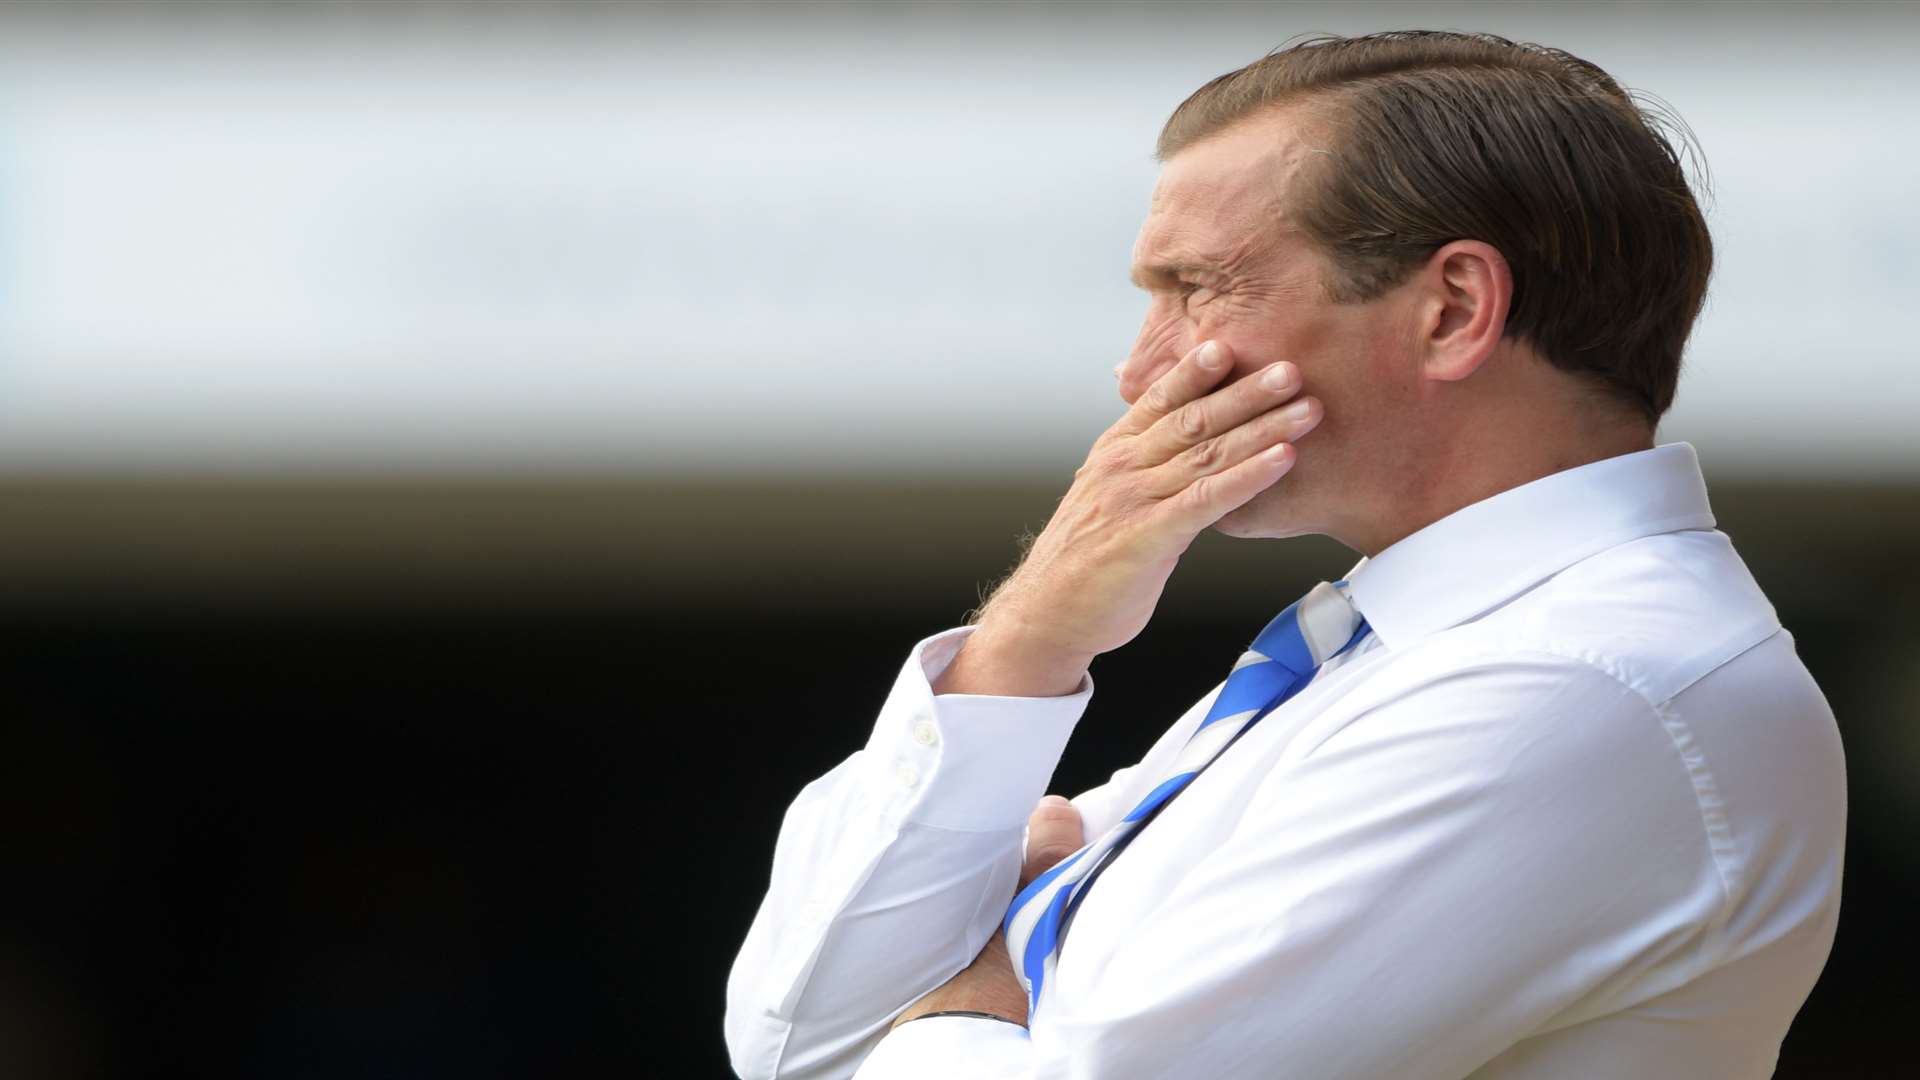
[1228, 192]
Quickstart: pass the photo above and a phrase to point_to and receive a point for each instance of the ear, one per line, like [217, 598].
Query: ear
[1468, 288]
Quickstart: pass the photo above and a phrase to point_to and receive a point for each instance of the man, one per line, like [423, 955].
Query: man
[1540, 789]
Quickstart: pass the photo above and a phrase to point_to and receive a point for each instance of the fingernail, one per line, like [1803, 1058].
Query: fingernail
[1209, 355]
[1119, 369]
[1055, 800]
[1277, 377]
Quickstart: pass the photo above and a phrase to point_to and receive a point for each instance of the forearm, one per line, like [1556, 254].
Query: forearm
[890, 873]
[1003, 658]
[985, 986]
[828, 963]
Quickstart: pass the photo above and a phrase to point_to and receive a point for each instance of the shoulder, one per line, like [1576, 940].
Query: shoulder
[1496, 713]
[1647, 695]
[1658, 614]
[1590, 660]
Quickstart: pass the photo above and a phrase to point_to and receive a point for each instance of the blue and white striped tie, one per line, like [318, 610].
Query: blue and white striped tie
[1283, 658]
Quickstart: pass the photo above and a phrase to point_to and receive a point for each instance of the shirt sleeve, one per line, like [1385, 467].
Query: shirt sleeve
[891, 871]
[1482, 849]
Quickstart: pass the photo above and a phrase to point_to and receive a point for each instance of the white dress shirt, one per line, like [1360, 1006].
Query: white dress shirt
[1575, 809]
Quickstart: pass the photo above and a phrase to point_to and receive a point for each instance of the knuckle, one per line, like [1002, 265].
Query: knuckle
[1191, 424]
[1108, 461]
[1206, 455]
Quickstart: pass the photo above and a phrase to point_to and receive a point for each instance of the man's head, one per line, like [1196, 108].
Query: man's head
[1470, 248]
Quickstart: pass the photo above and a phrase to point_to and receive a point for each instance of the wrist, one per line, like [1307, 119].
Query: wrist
[972, 1014]
[987, 985]
[967, 993]
[1006, 658]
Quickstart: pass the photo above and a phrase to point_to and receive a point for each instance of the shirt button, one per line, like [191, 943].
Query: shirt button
[924, 734]
[907, 775]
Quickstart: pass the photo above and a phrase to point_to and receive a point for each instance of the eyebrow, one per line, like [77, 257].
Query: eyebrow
[1150, 276]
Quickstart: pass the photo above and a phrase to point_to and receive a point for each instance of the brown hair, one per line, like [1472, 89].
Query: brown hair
[1440, 136]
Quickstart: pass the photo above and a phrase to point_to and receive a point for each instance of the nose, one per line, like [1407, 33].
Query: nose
[1141, 368]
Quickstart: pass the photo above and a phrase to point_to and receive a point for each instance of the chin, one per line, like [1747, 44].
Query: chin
[1273, 514]
[1247, 523]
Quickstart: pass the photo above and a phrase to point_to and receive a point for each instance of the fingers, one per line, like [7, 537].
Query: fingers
[1285, 424]
[1211, 497]
[1053, 833]
[1196, 373]
[1209, 417]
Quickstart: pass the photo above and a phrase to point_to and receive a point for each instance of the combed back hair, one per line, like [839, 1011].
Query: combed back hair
[1436, 136]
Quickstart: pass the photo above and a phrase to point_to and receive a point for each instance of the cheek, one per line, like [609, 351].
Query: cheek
[1267, 340]
[1364, 384]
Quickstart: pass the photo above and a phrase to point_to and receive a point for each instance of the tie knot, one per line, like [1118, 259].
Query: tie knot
[1311, 630]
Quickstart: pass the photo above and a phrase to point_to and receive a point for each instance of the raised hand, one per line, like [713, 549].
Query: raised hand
[1185, 455]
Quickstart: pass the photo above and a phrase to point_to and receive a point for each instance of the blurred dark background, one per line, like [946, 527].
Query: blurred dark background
[464, 467]
[404, 777]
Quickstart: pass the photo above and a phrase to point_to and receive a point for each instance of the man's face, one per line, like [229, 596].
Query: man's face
[1223, 259]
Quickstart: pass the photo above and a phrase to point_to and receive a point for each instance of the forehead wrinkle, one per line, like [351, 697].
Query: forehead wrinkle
[1168, 247]
[1223, 205]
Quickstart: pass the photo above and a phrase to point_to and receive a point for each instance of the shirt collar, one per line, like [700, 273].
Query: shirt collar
[1482, 555]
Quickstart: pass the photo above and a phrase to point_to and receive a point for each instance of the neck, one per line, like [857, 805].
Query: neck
[1480, 461]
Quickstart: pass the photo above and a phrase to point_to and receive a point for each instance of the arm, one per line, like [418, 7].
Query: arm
[892, 871]
[1478, 855]
[873, 947]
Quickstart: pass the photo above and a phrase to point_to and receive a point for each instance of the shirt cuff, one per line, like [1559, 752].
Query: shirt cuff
[949, 1048]
[980, 761]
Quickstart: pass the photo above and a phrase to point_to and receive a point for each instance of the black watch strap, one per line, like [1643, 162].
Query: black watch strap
[975, 1015]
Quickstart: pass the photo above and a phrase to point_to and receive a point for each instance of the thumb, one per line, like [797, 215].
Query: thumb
[1053, 833]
